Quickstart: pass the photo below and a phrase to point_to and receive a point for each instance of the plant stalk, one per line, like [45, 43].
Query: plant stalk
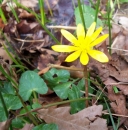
[86, 84]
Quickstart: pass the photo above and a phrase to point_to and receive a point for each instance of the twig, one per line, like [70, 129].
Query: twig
[63, 67]
[62, 27]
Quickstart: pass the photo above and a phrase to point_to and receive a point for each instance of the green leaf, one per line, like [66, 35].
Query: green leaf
[12, 103]
[123, 1]
[2, 115]
[62, 90]
[81, 86]
[23, 111]
[115, 89]
[63, 75]
[17, 123]
[54, 77]
[36, 105]
[30, 81]
[89, 16]
[8, 88]
[46, 127]
[74, 93]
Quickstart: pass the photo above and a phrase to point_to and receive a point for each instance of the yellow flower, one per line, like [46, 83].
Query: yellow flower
[82, 46]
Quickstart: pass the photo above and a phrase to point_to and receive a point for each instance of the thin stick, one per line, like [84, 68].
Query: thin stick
[66, 68]
[62, 27]
[86, 84]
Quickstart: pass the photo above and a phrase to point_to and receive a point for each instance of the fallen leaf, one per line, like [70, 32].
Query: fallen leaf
[84, 120]
[4, 55]
[5, 125]
[27, 127]
[122, 87]
[44, 60]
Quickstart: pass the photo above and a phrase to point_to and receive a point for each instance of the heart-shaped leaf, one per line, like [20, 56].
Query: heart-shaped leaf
[55, 77]
[30, 81]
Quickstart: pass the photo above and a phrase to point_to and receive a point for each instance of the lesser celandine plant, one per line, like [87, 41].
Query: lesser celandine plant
[82, 46]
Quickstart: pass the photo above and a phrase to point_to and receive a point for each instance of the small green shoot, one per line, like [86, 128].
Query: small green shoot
[110, 114]
[3, 16]
[115, 89]
[43, 18]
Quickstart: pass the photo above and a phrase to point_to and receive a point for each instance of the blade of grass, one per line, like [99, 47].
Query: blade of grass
[5, 108]
[38, 19]
[3, 16]
[113, 123]
[97, 10]
[109, 26]
[49, 8]
[95, 7]
[81, 14]
[41, 5]
[13, 59]
[17, 62]
[8, 77]
[14, 12]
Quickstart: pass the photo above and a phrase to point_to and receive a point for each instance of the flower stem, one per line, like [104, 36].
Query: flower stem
[86, 84]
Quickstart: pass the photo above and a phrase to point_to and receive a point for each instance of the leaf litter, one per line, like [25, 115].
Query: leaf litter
[31, 41]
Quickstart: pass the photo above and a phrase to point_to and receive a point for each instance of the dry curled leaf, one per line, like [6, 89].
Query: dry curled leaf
[87, 119]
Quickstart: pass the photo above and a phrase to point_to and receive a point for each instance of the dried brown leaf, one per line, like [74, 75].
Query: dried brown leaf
[5, 125]
[83, 120]
[5, 56]
[27, 127]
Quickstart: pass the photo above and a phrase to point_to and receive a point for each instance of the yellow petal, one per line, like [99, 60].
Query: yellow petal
[80, 32]
[69, 37]
[98, 55]
[99, 40]
[64, 48]
[73, 56]
[91, 29]
[84, 58]
[96, 33]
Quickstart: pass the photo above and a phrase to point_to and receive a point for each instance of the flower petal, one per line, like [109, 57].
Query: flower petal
[91, 29]
[80, 32]
[84, 58]
[98, 55]
[73, 56]
[69, 37]
[96, 33]
[64, 48]
[99, 40]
